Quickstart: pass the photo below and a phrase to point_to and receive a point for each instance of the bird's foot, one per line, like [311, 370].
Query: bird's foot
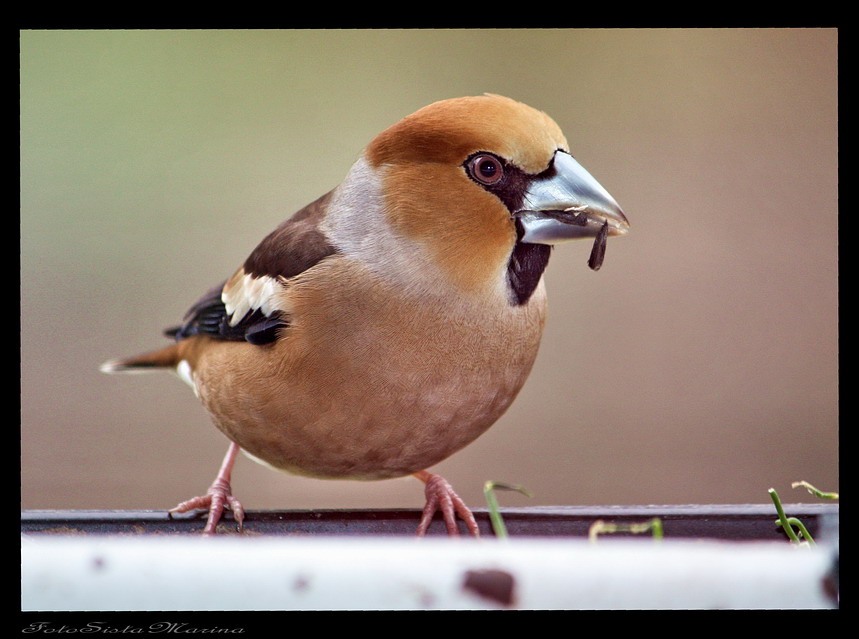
[218, 497]
[441, 496]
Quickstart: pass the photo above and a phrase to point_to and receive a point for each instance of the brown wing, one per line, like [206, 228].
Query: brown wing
[240, 308]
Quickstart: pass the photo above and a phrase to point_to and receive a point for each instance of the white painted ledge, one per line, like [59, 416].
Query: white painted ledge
[355, 573]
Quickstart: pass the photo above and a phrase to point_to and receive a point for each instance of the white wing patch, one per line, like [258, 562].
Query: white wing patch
[245, 293]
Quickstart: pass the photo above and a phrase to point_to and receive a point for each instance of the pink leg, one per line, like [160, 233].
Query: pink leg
[218, 497]
[440, 496]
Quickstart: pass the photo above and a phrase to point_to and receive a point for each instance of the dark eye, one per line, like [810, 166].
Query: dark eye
[486, 169]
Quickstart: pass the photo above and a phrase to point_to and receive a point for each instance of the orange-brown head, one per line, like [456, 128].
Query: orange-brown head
[469, 179]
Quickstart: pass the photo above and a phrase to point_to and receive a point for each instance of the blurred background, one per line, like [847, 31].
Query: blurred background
[699, 365]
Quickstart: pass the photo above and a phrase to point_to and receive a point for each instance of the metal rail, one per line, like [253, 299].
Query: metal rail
[739, 522]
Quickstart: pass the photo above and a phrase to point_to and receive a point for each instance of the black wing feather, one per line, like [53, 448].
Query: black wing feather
[209, 317]
[292, 248]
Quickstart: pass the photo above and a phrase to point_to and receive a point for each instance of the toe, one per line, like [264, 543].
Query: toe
[441, 496]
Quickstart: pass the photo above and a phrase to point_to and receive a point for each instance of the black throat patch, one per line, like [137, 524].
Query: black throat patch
[527, 261]
[525, 268]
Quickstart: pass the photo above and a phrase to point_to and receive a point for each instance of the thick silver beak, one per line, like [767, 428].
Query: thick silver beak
[568, 204]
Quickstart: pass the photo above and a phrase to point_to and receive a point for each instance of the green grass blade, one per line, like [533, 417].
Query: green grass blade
[495, 518]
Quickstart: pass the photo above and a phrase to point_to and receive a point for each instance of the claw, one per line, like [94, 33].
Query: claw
[218, 497]
[441, 496]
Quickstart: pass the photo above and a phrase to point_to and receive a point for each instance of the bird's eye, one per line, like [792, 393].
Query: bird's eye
[486, 169]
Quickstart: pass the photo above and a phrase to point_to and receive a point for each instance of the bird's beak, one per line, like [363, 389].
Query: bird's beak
[568, 204]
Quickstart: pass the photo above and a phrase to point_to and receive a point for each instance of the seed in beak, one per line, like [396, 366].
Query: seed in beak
[598, 250]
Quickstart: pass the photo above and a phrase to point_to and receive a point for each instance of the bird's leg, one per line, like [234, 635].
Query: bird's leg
[218, 496]
[441, 496]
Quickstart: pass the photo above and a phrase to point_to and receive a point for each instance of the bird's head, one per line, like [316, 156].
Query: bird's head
[472, 178]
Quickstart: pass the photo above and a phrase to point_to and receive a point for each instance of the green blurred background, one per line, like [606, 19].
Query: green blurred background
[699, 365]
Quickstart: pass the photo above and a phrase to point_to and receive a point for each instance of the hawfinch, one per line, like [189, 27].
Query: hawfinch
[389, 323]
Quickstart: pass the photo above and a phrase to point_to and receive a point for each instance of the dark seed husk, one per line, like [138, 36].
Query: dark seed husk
[598, 250]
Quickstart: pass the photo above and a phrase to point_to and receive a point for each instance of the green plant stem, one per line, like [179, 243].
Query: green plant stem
[782, 518]
[814, 491]
[495, 518]
[656, 526]
[802, 530]
[601, 527]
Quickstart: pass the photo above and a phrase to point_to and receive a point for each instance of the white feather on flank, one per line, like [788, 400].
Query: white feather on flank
[250, 293]
[261, 461]
[183, 370]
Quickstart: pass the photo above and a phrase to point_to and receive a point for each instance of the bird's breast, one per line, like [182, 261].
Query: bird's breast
[370, 382]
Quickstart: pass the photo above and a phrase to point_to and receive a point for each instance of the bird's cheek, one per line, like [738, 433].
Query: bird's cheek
[468, 231]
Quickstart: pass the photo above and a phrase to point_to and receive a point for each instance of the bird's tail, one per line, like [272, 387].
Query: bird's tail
[167, 357]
